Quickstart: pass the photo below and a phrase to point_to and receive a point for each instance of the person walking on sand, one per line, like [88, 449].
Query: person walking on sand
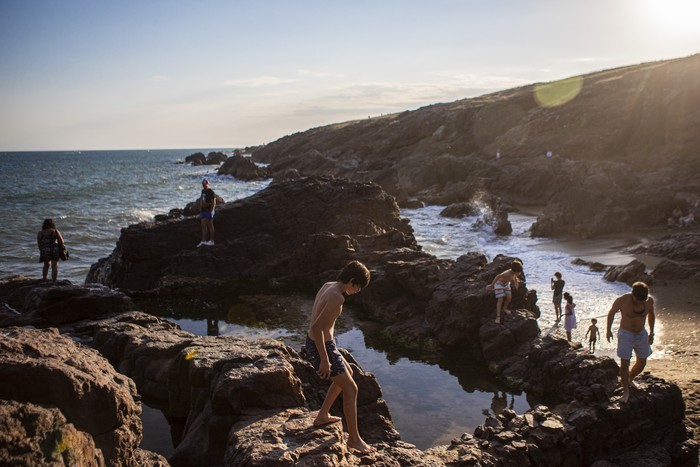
[501, 287]
[207, 202]
[569, 315]
[594, 334]
[50, 244]
[557, 286]
[324, 355]
[635, 309]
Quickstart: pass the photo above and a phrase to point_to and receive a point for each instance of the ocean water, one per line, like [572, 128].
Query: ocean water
[92, 195]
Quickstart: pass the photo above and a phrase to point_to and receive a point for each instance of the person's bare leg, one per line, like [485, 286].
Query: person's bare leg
[636, 370]
[625, 379]
[203, 223]
[499, 304]
[506, 303]
[54, 270]
[349, 390]
[45, 270]
[324, 417]
[211, 230]
[568, 336]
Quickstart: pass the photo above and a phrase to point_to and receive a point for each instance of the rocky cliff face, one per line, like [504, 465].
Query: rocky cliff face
[624, 146]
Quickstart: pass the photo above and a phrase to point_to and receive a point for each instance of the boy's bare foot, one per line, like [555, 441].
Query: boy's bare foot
[498, 321]
[319, 422]
[625, 396]
[360, 446]
[506, 311]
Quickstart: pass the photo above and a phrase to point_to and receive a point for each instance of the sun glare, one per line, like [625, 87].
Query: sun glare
[673, 16]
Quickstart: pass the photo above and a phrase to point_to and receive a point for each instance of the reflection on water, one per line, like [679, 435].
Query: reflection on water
[430, 404]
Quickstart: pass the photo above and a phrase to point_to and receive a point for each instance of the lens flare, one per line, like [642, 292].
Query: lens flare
[559, 92]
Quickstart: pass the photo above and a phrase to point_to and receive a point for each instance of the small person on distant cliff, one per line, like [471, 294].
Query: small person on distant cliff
[557, 286]
[207, 202]
[50, 244]
[569, 315]
[594, 334]
[635, 308]
[324, 355]
[501, 287]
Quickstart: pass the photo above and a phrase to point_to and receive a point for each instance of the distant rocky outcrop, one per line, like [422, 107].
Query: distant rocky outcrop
[243, 168]
[213, 158]
[622, 153]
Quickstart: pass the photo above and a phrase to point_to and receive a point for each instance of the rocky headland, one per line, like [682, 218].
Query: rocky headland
[606, 152]
[232, 401]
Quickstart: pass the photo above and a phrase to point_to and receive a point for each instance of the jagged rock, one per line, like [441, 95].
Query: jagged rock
[198, 158]
[459, 210]
[45, 368]
[36, 435]
[630, 273]
[215, 158]
[243, 168]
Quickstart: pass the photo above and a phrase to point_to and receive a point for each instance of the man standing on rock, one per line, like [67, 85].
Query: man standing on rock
[207, 204]
[324, 355]
[558, 292]
[635, 308]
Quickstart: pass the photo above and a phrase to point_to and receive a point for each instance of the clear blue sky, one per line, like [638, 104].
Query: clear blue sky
[138, 74]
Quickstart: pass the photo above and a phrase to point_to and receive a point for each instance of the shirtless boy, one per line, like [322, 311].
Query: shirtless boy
[635, 308]
[501, 287]
[324, 355]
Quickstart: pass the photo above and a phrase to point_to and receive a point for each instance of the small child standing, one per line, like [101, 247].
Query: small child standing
[595, 334]
[569, 315]
[501, 287]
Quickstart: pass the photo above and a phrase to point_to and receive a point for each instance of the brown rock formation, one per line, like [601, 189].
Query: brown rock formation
[242, 168]
[45, 368]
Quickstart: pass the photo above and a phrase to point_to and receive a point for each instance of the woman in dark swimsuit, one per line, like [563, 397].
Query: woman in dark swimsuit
[50, 243]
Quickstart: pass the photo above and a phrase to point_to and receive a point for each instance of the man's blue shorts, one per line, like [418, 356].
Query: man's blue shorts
[206, 215]
[337, 362]
[637, 341]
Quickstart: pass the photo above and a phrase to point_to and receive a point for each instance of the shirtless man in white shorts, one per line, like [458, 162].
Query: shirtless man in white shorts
[635, 309]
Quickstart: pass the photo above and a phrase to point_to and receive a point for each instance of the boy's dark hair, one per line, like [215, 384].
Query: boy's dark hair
[48, 224]
[640, 291]
[558, 275]
[594, 321]
[516, 266]
[354, 272]
[569, 298]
